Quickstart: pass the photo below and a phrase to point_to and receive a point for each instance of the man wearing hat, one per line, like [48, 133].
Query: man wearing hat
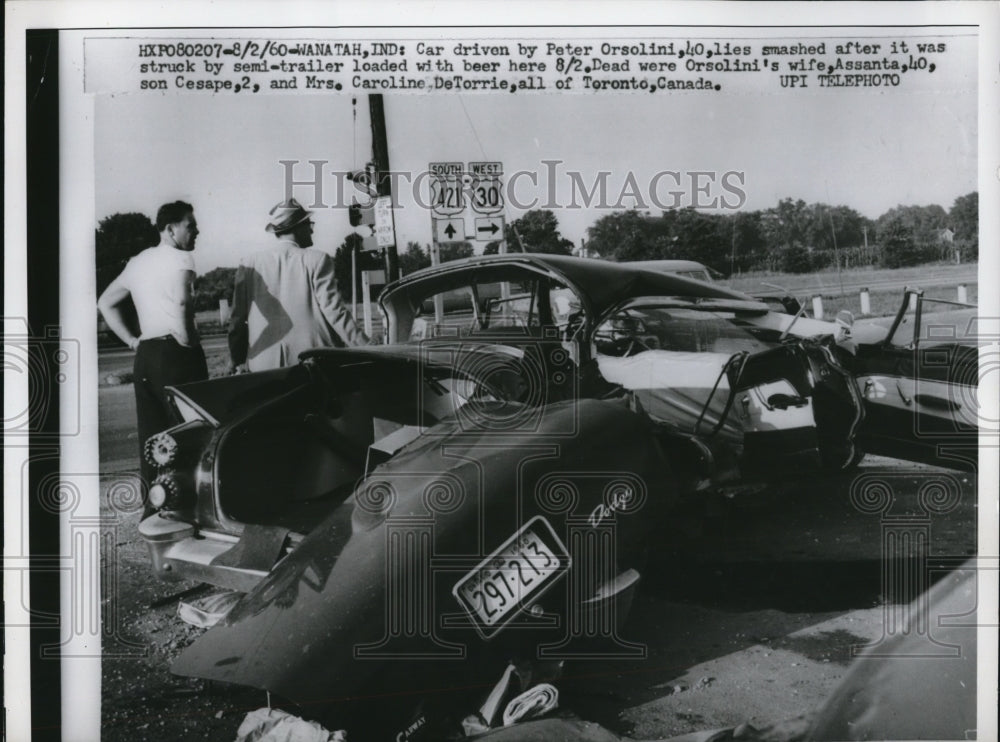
[285, 299]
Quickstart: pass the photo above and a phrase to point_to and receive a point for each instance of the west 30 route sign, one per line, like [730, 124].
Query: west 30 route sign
[486, 187]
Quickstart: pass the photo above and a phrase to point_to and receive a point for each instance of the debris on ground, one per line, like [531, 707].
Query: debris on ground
[208, 610]
[535, 701]
[275, 725]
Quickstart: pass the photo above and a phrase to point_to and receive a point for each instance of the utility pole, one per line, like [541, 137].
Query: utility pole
[732, 257]
[383, 183]
[836, 252]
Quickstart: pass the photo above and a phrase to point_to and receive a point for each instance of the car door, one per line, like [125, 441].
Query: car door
[698, 373]
[919, 384]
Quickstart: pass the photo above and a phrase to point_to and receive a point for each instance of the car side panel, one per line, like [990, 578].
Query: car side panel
[451, 499]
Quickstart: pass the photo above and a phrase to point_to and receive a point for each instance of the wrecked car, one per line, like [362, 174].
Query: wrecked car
[481, 490]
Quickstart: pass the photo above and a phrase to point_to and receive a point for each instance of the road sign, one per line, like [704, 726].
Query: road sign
[447, 196]
[449, 230]
[485, 169]
[446, 169]
[385, 234]
[486, 187]
[489, 228]
[377, 277]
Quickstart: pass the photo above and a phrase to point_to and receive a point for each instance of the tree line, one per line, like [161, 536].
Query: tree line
[791, 237]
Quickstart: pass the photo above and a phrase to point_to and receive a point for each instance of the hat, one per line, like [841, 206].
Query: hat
[286, 215]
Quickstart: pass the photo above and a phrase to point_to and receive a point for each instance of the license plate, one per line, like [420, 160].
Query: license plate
[524, 566]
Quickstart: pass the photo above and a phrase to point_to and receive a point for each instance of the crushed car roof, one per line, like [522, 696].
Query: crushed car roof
[602, 283]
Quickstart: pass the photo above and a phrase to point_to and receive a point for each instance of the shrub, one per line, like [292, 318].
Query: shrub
[795, 258]
[212, 286]
[967, 249]
[899, 248]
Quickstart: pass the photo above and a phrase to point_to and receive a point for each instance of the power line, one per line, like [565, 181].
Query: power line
[472, 126]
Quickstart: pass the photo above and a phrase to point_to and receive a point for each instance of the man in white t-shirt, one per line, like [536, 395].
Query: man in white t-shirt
[167, 348]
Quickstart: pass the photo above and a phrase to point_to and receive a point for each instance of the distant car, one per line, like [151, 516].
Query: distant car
[686, 268]
[692, 269]
[487, 483]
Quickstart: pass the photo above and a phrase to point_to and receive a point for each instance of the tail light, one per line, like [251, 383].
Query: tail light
[168, 493]
[161, 449]
[176, 454]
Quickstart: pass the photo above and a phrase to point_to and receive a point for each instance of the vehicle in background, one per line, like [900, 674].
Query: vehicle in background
[686, 268]
[785, 303]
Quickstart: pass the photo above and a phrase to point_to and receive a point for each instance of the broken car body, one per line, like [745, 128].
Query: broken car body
[484, 486]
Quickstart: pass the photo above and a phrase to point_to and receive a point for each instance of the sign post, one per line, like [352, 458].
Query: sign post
[438, 302]
[354, 283]
[366, 297]
[447, 224]
[488, 200]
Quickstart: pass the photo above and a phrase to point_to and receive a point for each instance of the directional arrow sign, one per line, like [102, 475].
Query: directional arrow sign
[449, 230]
[489, 228]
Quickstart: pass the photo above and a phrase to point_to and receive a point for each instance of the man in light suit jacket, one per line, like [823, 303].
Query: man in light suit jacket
[285, 300]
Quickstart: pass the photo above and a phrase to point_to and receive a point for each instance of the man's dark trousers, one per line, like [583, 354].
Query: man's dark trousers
[160, 362]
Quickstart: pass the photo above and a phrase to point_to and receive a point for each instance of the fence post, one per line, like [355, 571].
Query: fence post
[963, 294]
[818, 306]
[438, 297]
[366, 299]
[866, 301]
[223, 311]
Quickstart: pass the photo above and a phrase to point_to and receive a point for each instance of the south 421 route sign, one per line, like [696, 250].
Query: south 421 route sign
[447, 194]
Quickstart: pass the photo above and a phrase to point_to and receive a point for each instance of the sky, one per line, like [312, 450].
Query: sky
[867, 150]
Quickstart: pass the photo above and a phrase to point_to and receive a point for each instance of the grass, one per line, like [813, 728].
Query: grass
[827, 282]
[886, 303]
[937, 281]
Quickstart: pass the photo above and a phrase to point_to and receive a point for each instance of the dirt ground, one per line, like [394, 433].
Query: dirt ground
[748, 617]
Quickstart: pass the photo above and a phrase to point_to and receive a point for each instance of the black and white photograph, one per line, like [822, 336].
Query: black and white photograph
[502, 375]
